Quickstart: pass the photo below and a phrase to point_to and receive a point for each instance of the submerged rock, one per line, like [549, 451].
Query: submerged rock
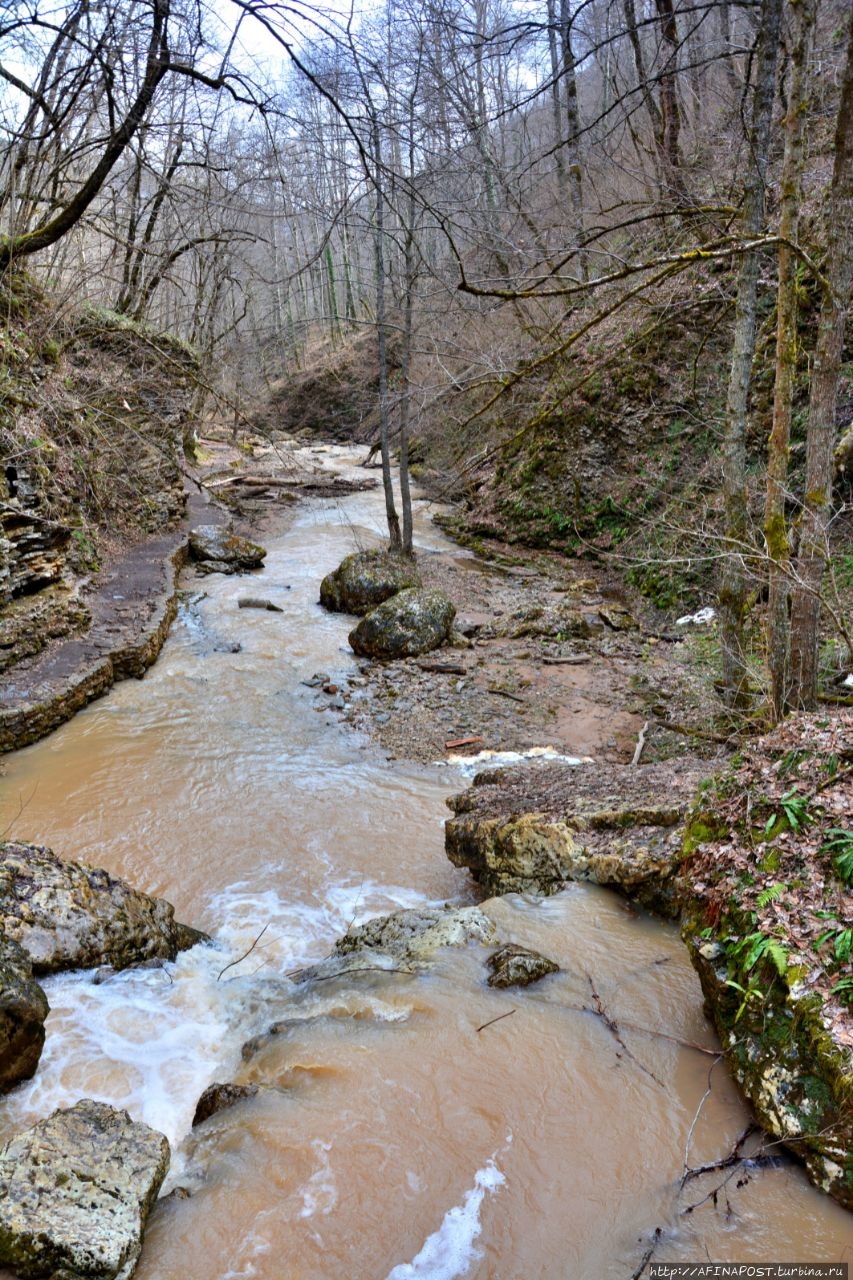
[69, 915]
[23, 1009]
[514, 966]
[217, 550]
[218, 1097]
[75, 1193]
[365, 579]
[410, 623]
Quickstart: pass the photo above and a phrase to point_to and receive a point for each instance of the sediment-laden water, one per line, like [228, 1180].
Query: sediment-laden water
[397, 1138]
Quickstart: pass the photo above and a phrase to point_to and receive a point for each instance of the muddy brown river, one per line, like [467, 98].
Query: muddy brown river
[399, 1136]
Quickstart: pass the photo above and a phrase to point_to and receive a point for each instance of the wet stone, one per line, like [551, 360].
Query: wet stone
[76, 1191]
[218, 1097]
[514, 966]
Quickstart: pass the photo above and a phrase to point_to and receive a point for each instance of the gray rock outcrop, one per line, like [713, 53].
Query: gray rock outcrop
[365, 579]
[216, 549]
[23, 1009]
[75, 1193]
[68, 915]
[411, 622]
[404, 938]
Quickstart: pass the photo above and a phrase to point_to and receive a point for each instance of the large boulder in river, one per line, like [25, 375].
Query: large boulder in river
[76, 1191]
[69, 915]
[23, 1009]
[365, 579]
[410, 623]
[217, 550]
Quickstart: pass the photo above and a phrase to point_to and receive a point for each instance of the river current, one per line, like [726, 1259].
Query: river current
[396, 1134]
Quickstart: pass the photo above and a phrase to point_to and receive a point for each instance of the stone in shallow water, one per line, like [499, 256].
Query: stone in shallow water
[513, 966]
[365, 579]
[76, 1191]
[218, 1097]
[217, 550]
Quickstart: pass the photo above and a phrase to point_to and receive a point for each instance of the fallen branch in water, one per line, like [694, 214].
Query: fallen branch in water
[499, 1018]
[612, 1025]
[245, 953]
[648, 1255]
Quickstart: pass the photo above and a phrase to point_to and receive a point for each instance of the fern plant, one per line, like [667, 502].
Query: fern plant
[770, 894]
[839, 843]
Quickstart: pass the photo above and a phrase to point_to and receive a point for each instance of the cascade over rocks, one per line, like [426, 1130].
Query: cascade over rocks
[365, 579]
[216, 549]
[409, 623]
[76, 1191]
[23, 1009]
[69, 915]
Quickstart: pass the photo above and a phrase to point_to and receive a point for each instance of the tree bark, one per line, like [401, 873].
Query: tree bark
[733, 591]
[775, 526]
[811, 561]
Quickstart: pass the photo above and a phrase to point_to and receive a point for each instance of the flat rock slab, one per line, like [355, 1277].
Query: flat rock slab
[535, 828]
[68, 915]
[76, 1191]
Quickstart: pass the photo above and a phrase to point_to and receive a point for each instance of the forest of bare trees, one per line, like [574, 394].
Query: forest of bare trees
[473, 193]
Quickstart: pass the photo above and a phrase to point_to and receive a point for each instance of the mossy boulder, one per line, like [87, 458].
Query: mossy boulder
[69, 915]
[215, 549]
[75, 1193]
[365, 579]
[765, 896]
[786, 1059]
[411, 622]
[23, 1009]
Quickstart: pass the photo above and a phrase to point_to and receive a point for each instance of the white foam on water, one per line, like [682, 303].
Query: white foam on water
[298, 933]
[320, 1194]
[158, 1038]
[451, 1250]
[150, 1041]
[469, 765]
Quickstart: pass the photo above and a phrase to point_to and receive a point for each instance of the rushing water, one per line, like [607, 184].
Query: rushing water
[397, 1135]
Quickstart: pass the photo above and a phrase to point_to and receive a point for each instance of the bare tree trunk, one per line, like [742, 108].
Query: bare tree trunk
[733, 591]
[556, 103]
[811, 561]
[775, 526]
[573, 122]
[394, 536]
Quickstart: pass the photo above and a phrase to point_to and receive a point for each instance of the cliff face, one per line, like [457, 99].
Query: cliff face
[93, 409]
